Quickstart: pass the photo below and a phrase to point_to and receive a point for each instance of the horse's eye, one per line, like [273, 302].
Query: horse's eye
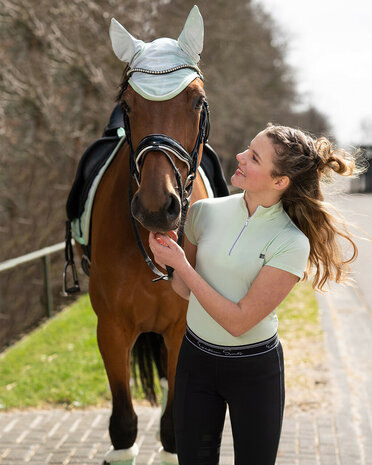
[199, 102]
[125, 106]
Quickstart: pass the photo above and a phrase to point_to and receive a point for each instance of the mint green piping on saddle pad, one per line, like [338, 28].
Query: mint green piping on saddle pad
[81, 226]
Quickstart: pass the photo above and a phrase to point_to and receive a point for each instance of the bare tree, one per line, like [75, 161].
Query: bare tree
[58, 82]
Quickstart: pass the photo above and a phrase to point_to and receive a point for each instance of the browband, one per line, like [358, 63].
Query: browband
[166, 71]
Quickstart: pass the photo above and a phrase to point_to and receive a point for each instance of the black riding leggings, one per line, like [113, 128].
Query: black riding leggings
[252, 387]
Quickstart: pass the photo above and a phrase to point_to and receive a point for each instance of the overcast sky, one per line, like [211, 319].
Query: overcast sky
[330, 46]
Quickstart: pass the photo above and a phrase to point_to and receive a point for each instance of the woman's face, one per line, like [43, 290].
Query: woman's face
[255, 166]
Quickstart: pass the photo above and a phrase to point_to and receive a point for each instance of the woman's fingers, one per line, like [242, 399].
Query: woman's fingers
[152, 240]
[157, 246]
[163, 239]
[154, 246]
[173, 235]
[156, 238]
[165, 248]
[169, 239]
[160, 238]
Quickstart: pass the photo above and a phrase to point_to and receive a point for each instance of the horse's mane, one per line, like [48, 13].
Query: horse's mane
[123, 84]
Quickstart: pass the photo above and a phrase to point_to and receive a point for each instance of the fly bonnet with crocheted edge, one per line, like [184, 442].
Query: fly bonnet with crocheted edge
[161, 69]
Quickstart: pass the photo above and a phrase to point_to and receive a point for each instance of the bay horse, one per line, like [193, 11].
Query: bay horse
[125, 299]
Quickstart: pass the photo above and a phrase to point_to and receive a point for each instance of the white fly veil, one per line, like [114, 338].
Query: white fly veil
[161, 55]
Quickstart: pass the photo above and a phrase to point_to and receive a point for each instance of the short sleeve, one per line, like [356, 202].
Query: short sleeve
[192, 225]
[291, 254]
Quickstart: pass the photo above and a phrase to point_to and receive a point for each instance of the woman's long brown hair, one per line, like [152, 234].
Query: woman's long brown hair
[308, 161]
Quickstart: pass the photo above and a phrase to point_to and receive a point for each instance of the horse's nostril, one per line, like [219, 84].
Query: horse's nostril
[137, 211]
[173, 207]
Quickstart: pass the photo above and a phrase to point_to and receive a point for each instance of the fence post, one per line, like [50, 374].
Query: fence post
[48, 291]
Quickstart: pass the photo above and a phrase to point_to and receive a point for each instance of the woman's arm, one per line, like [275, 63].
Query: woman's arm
[270, 287]
[179, 286]
[177, 283]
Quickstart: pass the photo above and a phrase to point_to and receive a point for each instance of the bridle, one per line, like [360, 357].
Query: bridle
[166, 145]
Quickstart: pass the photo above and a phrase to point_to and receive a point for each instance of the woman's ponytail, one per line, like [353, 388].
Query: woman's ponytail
[333, 159]
[307, 161]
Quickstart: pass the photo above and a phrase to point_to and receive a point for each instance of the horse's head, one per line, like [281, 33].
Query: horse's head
[166, 115]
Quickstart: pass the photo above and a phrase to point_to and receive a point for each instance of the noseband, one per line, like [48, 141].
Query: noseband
[167, 146]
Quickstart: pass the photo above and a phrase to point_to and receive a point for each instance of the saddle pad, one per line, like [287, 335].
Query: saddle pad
[92, 160]
[81, 225]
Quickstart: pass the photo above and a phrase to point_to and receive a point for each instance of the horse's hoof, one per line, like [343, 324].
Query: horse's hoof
[167, 458]
[122, 456]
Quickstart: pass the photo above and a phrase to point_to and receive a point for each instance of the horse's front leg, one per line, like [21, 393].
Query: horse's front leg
[115, 345]
[173, 340]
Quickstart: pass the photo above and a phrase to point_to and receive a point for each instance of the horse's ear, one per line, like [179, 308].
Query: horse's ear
[124, 44]
[192, 36]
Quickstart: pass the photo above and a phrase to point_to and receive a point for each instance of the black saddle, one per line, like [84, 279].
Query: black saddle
[211, 166]
[96, 155]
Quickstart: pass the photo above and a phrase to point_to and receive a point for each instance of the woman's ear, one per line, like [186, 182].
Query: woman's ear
[281, 183]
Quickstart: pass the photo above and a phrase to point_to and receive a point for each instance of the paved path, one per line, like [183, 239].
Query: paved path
[347, 320]
[59, 437]
[342, 435]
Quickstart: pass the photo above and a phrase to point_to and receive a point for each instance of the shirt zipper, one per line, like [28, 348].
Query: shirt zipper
[241, 232]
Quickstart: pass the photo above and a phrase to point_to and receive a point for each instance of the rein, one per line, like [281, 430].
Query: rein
[165, 145]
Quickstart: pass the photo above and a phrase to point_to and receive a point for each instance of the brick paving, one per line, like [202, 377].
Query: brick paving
[57, 437]
[342, 435]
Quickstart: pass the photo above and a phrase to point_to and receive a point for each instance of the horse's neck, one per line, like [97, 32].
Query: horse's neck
[119, 174]
[199, 191]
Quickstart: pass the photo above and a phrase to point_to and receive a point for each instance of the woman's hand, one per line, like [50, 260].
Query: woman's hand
[166, 250]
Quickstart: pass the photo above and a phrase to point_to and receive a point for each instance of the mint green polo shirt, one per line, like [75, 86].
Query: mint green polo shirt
[232, 248]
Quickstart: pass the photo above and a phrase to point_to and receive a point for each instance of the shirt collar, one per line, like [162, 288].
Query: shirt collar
[263, 212]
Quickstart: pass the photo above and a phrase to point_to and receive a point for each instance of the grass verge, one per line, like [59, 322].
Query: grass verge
[59, 364]
[307, 375]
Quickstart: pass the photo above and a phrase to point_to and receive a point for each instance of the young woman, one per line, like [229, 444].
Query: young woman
[242, 256]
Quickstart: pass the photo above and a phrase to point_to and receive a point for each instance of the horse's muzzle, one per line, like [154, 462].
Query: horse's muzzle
[165, 219]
